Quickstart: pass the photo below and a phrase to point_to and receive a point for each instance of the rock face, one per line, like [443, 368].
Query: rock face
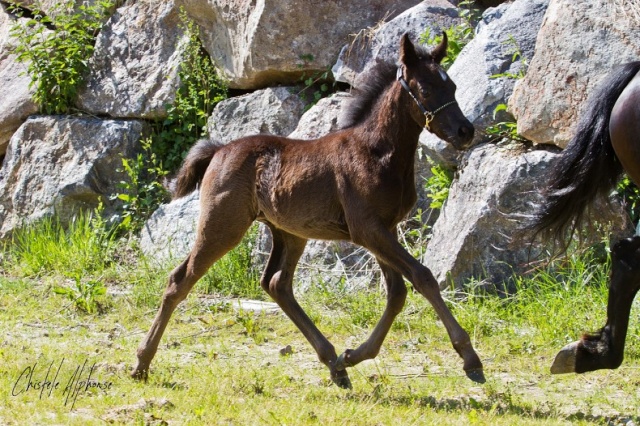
[171, 231]
[578, 44]
[477, 234]
[471, 238]
[16, 104]
[509, 28]
[381, 44]
[134, 68]
[61, 164]
[322, 118]
[274, 111]
[265, 42]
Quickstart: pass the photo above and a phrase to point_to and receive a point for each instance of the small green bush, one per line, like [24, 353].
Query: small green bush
[202, 87]
[458, 36]
[437, 186]
[57, 59]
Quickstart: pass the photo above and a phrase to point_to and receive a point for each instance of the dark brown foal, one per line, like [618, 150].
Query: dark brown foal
[353, 184]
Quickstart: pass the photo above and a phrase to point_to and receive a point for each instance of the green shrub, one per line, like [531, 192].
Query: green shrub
[202, 87]
[458, 36]
[57, 59]
[87, 297]
[437, 186]
[142, 192]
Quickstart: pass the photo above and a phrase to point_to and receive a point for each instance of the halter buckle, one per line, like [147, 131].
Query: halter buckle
[429, 116]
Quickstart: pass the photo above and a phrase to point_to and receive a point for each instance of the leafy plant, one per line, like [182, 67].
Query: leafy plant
[86, 296]
[57, 58]
[630, 195]
[414, 234]
[513, 49]
[202, 87]
[316, 86]
[507, 129]
[142, 191]
[438, 184]
[458, 36]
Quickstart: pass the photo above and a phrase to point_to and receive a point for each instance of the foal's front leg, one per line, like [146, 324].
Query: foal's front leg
[384, 245]
[277, 281]
[396, 296]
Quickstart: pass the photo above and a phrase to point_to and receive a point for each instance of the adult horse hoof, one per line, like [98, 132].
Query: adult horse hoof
[477, 375]
[341, 379]
[565, 361]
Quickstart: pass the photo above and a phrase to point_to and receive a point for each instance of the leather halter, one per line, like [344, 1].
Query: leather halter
[429, 115]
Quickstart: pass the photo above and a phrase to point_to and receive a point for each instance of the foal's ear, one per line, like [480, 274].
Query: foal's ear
[408, 55]
[440, 51]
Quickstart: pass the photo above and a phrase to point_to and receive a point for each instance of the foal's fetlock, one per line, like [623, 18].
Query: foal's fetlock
[343, 360]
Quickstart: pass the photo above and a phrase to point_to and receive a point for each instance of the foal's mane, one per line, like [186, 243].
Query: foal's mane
[367, 94]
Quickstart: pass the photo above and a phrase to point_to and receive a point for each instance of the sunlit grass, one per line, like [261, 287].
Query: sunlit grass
[220, 365]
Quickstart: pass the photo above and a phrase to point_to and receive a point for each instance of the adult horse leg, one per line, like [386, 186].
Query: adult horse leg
[220, 228]
[396, 296]
[605, 348]
[277, 281]
[384, 245]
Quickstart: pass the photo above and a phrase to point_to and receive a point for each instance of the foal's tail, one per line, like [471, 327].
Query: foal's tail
[587, 168]
[194, 167]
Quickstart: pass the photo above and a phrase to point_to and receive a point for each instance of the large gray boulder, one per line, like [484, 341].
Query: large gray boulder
[471, 238]
[170, 232]
[478, 234]
[16, 104]
[382, 43]
[322, 118]
[273, 111]
[503, 31]
[134, 68]
[268, 42]
[59, 165]
[578, 44]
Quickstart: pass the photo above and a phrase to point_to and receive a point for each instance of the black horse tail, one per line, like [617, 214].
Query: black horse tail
[194, 167]
[588, 167]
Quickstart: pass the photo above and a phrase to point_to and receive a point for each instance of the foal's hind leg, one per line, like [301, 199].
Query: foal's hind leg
[218, 232]
[396, 296]
[605, 349]
[277, 281]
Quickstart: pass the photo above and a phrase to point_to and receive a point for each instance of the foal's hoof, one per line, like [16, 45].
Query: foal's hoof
[341, 379]
[565, 361]
[140, 375]
[476, 375]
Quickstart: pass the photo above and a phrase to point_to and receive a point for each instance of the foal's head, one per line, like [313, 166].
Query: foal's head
[434, 106]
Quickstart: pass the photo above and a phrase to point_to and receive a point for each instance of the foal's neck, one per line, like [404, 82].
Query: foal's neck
[390, 127]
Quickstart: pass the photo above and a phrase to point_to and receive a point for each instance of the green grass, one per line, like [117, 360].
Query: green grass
[217, 365]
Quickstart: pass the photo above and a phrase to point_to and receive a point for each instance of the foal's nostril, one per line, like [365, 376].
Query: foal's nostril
[466, 132]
